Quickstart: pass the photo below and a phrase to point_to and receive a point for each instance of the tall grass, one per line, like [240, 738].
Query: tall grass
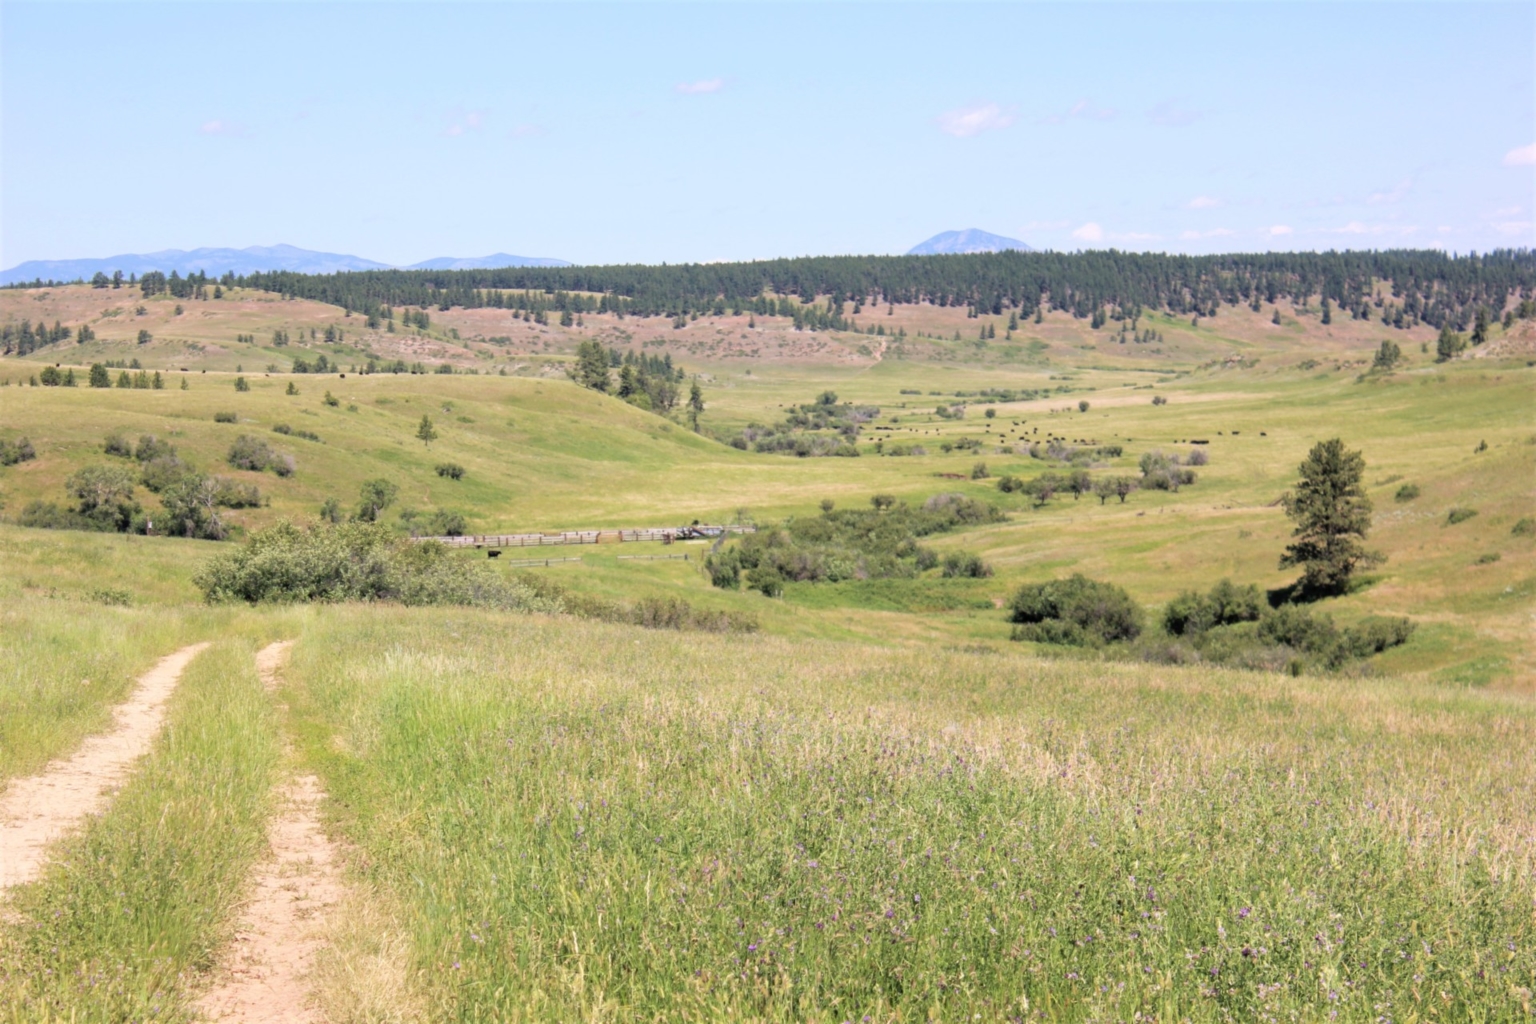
[64, 664]
[592, 822]
[132, 909]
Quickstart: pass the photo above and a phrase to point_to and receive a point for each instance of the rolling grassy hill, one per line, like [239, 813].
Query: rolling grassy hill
[879, 806]
[545, 454]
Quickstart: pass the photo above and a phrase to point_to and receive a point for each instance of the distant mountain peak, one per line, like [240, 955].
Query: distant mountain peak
[256, 258]
[491, 262]
[969, 240]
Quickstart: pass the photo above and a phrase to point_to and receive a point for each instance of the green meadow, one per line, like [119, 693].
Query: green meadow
[877, 806]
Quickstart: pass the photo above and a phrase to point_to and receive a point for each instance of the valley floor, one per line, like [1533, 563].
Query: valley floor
[544, 819]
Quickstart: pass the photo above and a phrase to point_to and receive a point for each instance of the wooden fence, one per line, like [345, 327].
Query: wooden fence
[653, 534]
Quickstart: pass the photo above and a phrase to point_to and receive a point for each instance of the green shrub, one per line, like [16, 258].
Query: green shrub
[373, 498]
[118, 445]
[229, 493]
[48, 515]
[191, 509]
[287, 431]
[963, 564]
[151, 447]
[675, 613]
[1488, 559]
[356, 562]
[843, 544]
[450, 470]
[1376, 633]
[1317, 636]
[1162, 472]
[1407, 492]
[442, 523]
[1076, 610]
[765, 579]
[20, 450]
[224, 417]
[255, 454]
[1191, 613]
[104, 497]
[1525, 526]
[724, 568]
[160, 473]
[1459, 515]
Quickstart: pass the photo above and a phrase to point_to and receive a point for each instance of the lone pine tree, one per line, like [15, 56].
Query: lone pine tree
[1332, 515]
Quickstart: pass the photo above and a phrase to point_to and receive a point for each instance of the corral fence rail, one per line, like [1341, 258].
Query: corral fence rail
[652, 534]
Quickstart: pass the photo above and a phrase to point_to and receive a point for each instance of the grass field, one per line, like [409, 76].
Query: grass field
[545, 454]
[589, 821]
[878, 807]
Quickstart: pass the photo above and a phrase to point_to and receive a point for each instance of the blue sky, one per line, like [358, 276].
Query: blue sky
[683, 132]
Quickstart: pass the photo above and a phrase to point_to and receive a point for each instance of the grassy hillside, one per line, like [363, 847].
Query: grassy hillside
[206, 335]
[878, 807]
[548, 455]
[541, 453]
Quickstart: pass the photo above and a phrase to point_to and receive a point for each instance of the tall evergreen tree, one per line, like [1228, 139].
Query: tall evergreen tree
[1332, 515]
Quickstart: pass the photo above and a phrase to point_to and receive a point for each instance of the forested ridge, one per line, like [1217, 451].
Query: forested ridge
[1413, 285]
[1427, 285]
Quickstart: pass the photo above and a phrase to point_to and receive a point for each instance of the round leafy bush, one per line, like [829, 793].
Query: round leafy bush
[1076, 610]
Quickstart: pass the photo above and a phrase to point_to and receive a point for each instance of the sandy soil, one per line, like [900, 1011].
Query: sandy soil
[37, 810]
[263, 974]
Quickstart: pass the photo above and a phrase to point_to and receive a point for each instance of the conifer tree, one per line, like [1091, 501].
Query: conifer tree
[1449, 345]
[1332, 515]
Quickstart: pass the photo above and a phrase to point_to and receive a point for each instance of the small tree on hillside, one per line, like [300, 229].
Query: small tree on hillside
[1333, 515]
[1449, 345]
[425, 432]
[374, 498]
[591, 368]
[1388, 356]
[695, 404]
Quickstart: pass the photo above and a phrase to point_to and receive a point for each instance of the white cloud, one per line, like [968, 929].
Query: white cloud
[963, 122]
[1204, 203]
[1190, 236]
[1173, 114]
[1395, 194]
[472, 121]
[1356, 227]
[1089, 232]
[219, 126]
[1521, 156]
[1276, 230]
[1083, 110]
[1514, 227]
[703, 87]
